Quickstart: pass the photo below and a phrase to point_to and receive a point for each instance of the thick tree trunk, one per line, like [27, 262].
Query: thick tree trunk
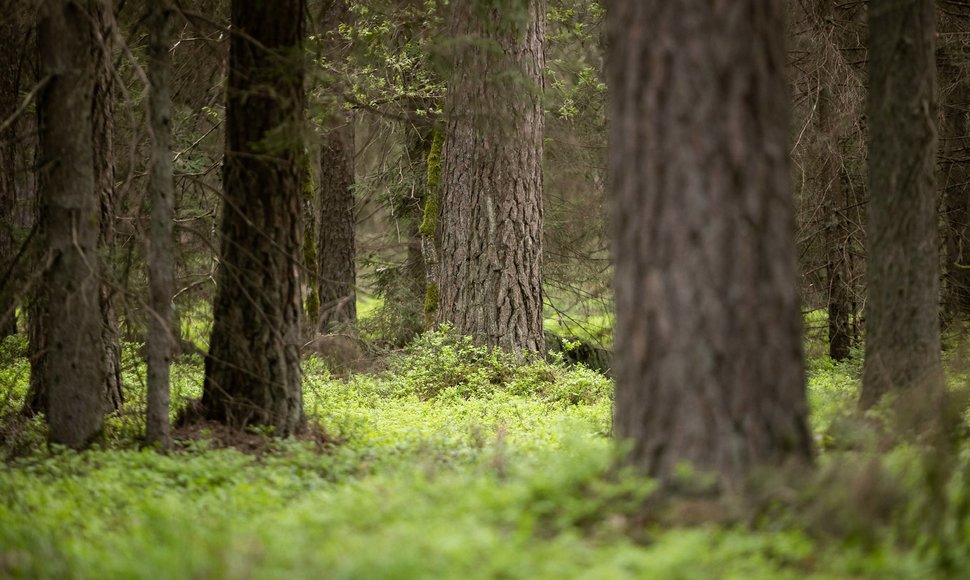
[104, 175]
[11, 54]
[74, 360]
[253, 365]
[708, 336]
[491, 176]
[337, 220]
[902, 312]
[161, 254]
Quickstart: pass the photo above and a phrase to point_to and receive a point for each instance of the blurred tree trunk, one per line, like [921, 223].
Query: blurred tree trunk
[74, 373]
[708, 335]
[955, 173]
[161, 254]
[104, 175]
[253, 365]
[490, 268]
[11, 42]
[902, 314]
[337, 220]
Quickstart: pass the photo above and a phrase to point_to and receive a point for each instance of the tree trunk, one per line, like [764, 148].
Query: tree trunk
[161, 254]
[104, 175]
[902, 315]
[708, 336]
[490, 265]
[429, 230]
[74, 361]
[11, 42]
[337, 220]
[832, 172]
[253, 365]
[955, 173]
[336, 269]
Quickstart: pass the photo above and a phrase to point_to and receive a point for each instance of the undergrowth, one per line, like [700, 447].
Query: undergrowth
[461, 462]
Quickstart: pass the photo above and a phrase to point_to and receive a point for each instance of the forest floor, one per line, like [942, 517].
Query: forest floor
[456, 462]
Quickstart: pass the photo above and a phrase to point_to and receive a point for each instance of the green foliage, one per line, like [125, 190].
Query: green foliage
[459, 461]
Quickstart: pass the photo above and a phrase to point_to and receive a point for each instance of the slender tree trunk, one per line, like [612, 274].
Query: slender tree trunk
[104, 175]
[955, 187]
[253, 365]
[902, 316]
[429, 230]
[836, 233]
[336, 246]
[74, 361]
[11, 49]
[161, 255]
[337, 223]
[832, 171]
[491, 176]
[708, 336]
[310, 229]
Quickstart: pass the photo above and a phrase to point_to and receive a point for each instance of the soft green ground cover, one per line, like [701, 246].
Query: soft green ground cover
[455, 463]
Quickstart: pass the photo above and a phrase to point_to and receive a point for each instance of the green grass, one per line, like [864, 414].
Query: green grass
[456, 462]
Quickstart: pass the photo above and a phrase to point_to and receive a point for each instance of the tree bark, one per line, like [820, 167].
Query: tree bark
[11, 41]
[253, 365]
[74, 361]
[902, 315]
[490, 269]
[708, 336]
[955, 176]
[336, 245]
[161, 254]
[104, 175]
[337, 220]
[834, 201]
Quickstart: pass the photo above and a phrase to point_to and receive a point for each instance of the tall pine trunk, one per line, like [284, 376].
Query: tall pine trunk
[336, 217]
[104, 175]
[252, 373]
[74, 366]
[11, 55]
[955, 174]
[836, 227]
[902, 312]
[708, 334]
[490, 259]
[161, 254]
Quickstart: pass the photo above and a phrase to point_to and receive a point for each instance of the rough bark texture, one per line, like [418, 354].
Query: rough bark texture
[253, 365]
[161, 255]
[491, 175]
[708, 340]
[955, 179]
[11, 41]
[902, 312]
[336, 245]
[834, 200]
[74, 361]
[336, 269]
[104, 175]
